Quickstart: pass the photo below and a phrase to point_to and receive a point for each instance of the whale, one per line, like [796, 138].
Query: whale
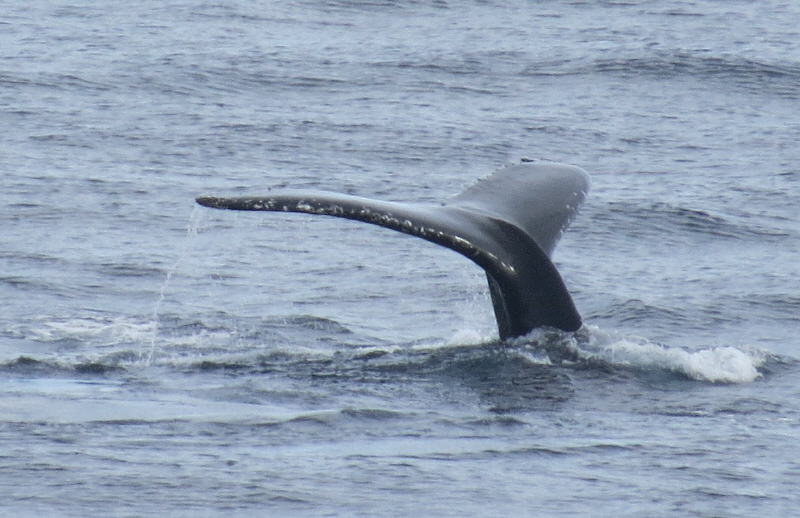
[508, 223]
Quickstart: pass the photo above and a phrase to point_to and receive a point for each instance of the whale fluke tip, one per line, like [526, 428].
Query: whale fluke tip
[209, 201]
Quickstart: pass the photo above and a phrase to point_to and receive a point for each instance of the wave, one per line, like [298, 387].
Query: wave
[699, 65]
[31, 367]
[778, 78]
[90, 330]
[346, 6]
[529, 370]
[52, 81]
[726, 364]
[638, 220]
[209, 342]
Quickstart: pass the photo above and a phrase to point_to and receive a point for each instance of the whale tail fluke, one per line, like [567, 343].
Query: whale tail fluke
[507, 223]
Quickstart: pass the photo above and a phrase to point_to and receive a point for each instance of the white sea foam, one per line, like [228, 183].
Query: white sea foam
[98, 331]
[724, 364]
[537, 357]
[90, 338]
[468, 336]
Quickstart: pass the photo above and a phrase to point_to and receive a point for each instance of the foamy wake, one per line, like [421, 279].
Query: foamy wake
[93, 337]
[725, 364]
[716, 364]
[95, 331]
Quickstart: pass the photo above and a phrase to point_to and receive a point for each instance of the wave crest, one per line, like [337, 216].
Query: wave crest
[725, 364]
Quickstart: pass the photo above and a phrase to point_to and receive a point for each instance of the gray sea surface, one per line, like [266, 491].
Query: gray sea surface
[161, 358]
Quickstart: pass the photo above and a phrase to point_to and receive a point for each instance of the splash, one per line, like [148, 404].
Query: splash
[100, 331]
[725, 364]
[469, 336]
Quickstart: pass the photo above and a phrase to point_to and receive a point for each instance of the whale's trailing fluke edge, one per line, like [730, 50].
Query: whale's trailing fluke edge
[507, 223]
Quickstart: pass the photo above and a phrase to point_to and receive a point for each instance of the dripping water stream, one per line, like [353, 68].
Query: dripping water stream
[196, 219]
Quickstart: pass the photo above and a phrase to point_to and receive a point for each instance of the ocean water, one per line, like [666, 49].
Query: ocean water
[159, 357]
